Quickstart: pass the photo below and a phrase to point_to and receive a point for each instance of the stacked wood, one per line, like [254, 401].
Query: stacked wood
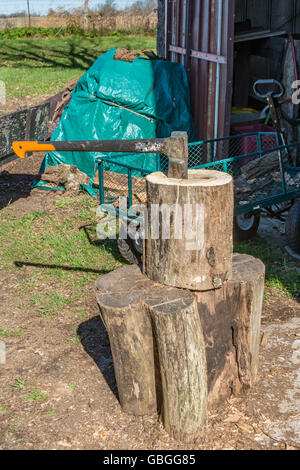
[260, 167]
[261, 177]
[158, 349]
[115, 185]
[174, 349]
[65, 175]
[185, 333]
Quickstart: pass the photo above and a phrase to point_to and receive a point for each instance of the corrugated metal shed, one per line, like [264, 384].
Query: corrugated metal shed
[270, 14]
[199, 34]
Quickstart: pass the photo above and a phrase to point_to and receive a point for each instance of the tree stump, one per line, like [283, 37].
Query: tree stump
[158, 350]
[190, 223]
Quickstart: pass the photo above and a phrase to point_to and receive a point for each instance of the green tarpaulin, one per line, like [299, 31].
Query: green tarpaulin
[123, 100]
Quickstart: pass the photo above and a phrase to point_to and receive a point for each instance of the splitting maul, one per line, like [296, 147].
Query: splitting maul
[175, 148]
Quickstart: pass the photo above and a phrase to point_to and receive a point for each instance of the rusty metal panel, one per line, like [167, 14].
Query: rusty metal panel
[199, 34]
[26, 124]
[270, 14]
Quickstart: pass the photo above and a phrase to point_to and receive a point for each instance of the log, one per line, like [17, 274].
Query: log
[119, 295]
[158, 350]
[182, 366]
[231, 319]
[260, 167]
[189, 232]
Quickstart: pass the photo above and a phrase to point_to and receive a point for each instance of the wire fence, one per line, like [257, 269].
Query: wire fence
[257, 163]
[90, 15]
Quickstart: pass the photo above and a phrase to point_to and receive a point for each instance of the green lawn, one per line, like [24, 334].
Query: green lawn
[33, 67]
[60, 246]
[282, 277]
[57, 249]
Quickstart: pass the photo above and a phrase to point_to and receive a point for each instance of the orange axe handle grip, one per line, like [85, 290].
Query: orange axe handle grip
[21, 148]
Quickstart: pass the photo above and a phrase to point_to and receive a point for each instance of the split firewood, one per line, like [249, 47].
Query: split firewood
[65, 175]
[262, 166]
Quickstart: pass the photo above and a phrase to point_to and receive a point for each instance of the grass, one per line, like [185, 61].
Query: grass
[34, 67]
[2, 409]
[31, 395]
[50, 412]
[282, 278]
[39, 32]
[19, 384]
[48, 305]
[36, 395]
[59, 259]
[76, 340]
[58, 244]
[10, 334]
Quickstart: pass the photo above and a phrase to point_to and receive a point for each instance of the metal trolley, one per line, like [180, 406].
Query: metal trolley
[231, 155]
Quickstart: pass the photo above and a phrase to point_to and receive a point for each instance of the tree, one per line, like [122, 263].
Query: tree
[108, 7]
[29, 18]
[142, 6]
[85, 17]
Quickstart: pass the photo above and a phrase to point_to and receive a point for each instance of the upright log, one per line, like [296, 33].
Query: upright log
[119, 295]
[231, 320]
[182, 365]
[189, 242]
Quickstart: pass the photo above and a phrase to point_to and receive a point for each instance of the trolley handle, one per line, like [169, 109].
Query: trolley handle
[276, 88]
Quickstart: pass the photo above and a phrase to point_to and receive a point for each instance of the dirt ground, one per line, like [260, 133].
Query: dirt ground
[15, 104]
[80, 408]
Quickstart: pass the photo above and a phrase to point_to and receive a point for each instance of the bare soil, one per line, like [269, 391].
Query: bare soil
[17, 103]
[82, 410]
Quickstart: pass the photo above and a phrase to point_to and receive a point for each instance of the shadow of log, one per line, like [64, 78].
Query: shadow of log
[95, 342]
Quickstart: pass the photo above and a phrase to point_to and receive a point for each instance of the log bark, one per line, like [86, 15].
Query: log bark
[158, 350]
[231, 319]
[261, 167]
[182, 365]
[119, 295]
[189, 240]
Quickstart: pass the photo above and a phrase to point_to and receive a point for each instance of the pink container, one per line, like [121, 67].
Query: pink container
[249, 144]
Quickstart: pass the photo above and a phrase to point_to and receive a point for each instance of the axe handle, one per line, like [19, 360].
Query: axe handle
[132, 145]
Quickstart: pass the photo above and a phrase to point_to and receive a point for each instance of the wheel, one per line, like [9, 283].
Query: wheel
[245, 226]
[292, 227]
[131, 249]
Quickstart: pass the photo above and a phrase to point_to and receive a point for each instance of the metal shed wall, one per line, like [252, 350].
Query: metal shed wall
[270, 14]
[199, 34]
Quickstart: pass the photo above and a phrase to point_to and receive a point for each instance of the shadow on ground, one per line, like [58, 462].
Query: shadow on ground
[71, 56]
[95, 342]
[14, 186]
[21, 264]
